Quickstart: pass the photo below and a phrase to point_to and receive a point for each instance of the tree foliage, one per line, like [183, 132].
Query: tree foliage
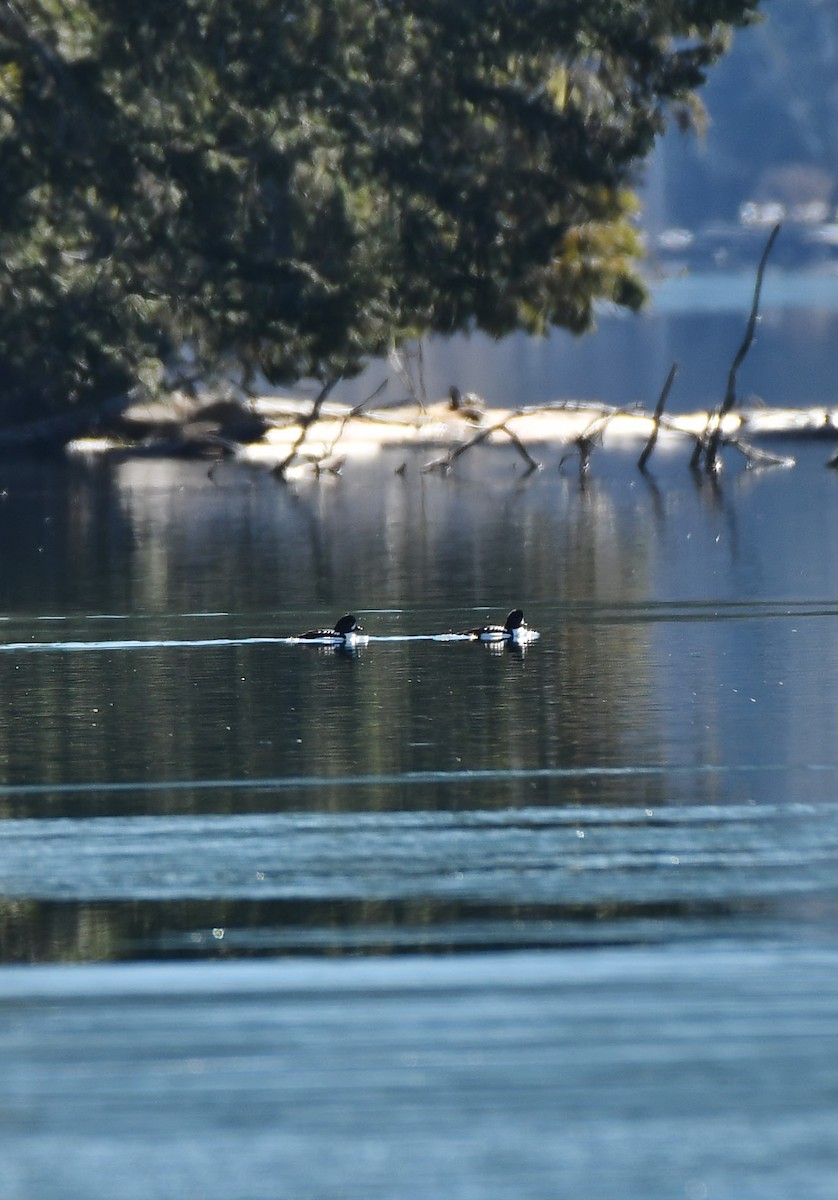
[291, 186]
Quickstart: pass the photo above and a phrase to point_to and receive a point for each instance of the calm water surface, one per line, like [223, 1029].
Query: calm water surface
[624, 839]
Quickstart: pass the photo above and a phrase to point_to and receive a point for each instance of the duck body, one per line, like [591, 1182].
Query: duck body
[470, 406]
[514, 629]
[346, 632]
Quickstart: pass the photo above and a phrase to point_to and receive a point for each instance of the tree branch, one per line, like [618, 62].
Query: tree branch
[447, 461]
[656, 419]
[715, 423]
[305, 425]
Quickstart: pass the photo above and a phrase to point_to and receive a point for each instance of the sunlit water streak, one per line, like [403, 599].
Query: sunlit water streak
[412, 778]
[517, 856]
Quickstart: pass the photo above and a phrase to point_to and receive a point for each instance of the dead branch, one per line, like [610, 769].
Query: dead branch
[714, 440]
[656, 418]
[756, 457]
[695, 457]
[532, 465]
[590, 437]
[401, 360]
[585, 446]
[600, 410]
[356, 411]
[447, 461]
[305, 424]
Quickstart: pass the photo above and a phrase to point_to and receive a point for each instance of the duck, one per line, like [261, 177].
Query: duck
[344, 633]
[514, 629]
[469, 406]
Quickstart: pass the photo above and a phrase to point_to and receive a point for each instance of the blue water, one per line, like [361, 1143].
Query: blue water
[692, 1072]
[432, 917]
[696, 320]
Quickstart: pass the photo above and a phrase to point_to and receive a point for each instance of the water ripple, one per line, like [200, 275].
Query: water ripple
[514, 856]
[409, 778]
[596, 614]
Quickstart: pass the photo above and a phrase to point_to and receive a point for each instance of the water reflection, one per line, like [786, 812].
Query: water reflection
[655, 780]
[661, 763]
[695, 320]
[632, 704]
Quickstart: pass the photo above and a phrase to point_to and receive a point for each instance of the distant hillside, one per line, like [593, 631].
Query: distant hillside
[773, 134]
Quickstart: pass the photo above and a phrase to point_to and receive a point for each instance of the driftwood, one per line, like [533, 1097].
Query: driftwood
[288, 434]
[285, 437]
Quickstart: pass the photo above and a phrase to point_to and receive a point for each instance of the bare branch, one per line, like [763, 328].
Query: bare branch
[401, 360]
[656, 419]
[356, 411]
[521, 448]
[714, 439]
[305, 425]
[759, 458]
[447, 461]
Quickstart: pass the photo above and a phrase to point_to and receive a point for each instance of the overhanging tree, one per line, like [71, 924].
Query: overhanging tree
[295, 185]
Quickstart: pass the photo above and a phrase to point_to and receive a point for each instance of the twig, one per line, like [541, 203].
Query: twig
[656, 419]
[382, 387]
[356, 411]
[400, 361]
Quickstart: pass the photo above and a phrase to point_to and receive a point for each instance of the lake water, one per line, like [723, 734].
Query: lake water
[432, 918]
